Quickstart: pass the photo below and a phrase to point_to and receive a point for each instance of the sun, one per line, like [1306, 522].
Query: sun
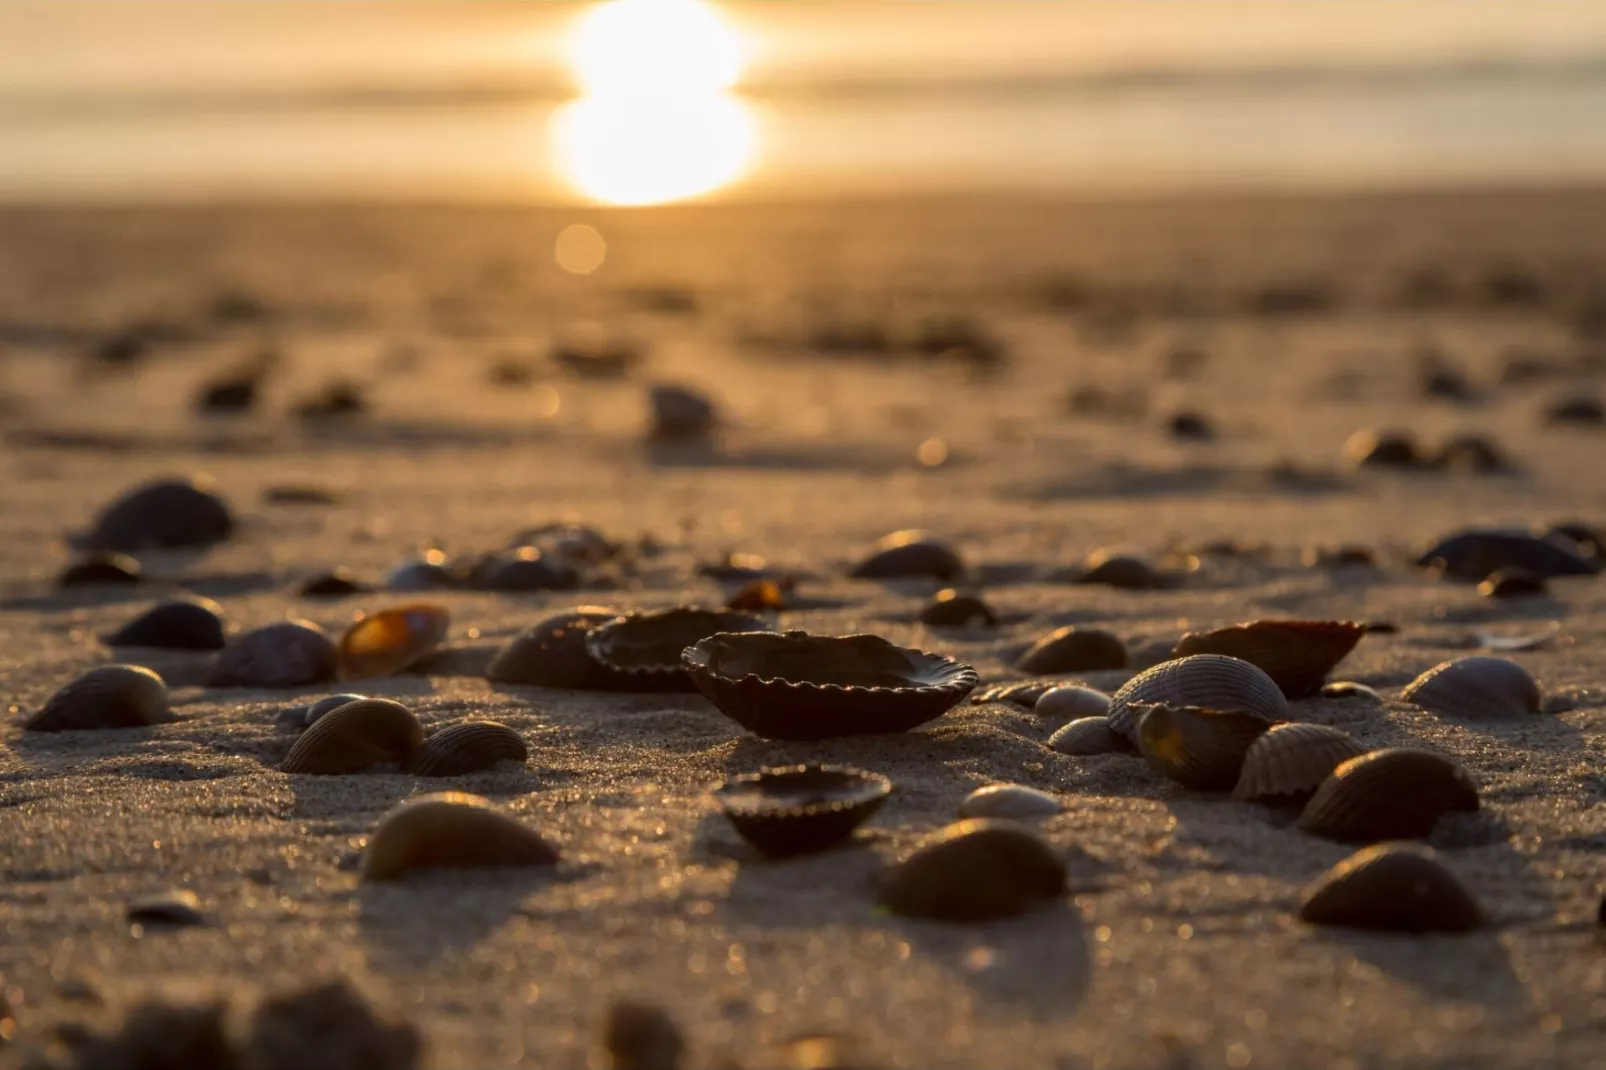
[654, 47]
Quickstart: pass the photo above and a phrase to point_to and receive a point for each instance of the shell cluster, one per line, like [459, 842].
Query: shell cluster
[1296, 654]
[645, 648]
[1209, 681]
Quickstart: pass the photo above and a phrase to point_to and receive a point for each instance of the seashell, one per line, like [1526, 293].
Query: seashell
[737, 568]
[428, 573]
[1577, 411]
[638, 1036]
[1392, 794]
[166, 514]
[100, 568]
[905, 554]
[1473, 454]
[553, 654]
[1022, 693]
[292, 653]
[387, 642]
[1292, 760]
[186, 624]
[295, 718]
[1590, 542]
[354, 736]
[1511, 583]
[679, 413]
[1392, 886]
[335, 399]
[1351, 689]
[577, 545]
[299, 494]
[1382, 449]
[336, 583]
[801, 809]
[646, 647]
[1296, 654]
[526, 569]
[1072, 701]
[805, 687]
[1199, 748]
[1213, 681]
[1513, 643]
[1119, 570]
[757, 595]
[111, 696]
[1472, 555]
[1190, 427]
[955, 609]
[467, 747]
[975, 870]
[450, 830]
[1478, 688]
[1016, 802]
[1339, 557]
[1087, 736]
[1073, 649]
[177, 907]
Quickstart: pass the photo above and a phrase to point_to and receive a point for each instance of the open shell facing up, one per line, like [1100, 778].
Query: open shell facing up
[111, 696]
[1297, 654]
[553, 654]
[975, 870]
[801, 809]
[354, 736]
[1391, 886]
[1392, 794]
[1478, 688]
[1199, 748]
[645, 648]
[385, 643]
[1290, 761]
[450, 830]
[794, 685]
[467, 747]
[1212, 681]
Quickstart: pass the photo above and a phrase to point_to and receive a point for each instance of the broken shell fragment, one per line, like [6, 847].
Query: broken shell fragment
[111, 696]
[292, 653]
[1073, 649]
[553, 654]
[1392, 886]
[1478, 688]
[1392, 794]
[905, 554]
[975, 870]
[450, 830]
[185, 624]
[389, 641]
[467, 747]
[1297, 654]
[354, 736]
[1290, 761]
[801, 809]
[1087, 736]
[1017, 802]
[646, 647]
[1199, 748]
[1212, 681]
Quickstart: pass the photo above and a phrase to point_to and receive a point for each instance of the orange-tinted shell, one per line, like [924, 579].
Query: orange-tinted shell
[1297, 654]
[467, 747]
[392, 639]
[1198, 748]
[1292, 760]
[451, 830]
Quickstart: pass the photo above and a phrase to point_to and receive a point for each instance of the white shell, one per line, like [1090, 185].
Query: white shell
[1014, 801]
[1071, 702]
[1087, 736]
[1478, 688]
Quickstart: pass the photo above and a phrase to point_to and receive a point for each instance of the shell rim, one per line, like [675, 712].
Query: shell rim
[596, 636]
[876, 788]
[960, 678]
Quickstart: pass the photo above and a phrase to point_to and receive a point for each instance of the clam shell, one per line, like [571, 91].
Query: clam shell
[1478, 688]
[1472, 555]
[354, 736]
[103, 568]
[1073, 649]
[295, 718]
[1213, 681]
[291, 653]
[1391, 794]
[389, 641]
[805, 687]
[801, 809]
[1292, 760]
[1120, 570]
[111, 696]
[450, 830]
[467, 747]
[1392, 886]
[1087, 736]
[1017, 802]
[162, 515]
[336, 583]
[1072, 702]
[179, 625]
[1198, 748]
[553, 654]
[1297, 654]
[955, 609]
[906, 554]
[646, 647]
[975, 870]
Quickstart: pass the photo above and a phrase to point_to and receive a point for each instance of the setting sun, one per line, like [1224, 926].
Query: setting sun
[652, 47]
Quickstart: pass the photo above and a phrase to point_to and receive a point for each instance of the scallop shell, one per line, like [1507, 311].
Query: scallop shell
[1297, 654]
[955, 609]
[467, 747]
[179, 625]
[801, 809]
[1478, 688]
[1391, 794]
[1073, 649]
[975, 870]
[336, 583]
[1472, 555]
[1017, 802]
[646, 647]
[162, 515]
[1213, 681]
[95, 569]
[291, 653]
[450, 830]
[1292, 760]
[1087, 736]
[1198, 748]
[295, 718]
[1120, 570]
[553, 654]
[906, 554]
[354, 736]
[805, 687]
[1393, 886]
[111, 696]
[392, 639]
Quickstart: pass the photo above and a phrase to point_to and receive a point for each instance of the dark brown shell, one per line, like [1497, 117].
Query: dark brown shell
[450, 830]
[1471, 556]
[1073, 649]
[1391, 794]
[467, 747]
[387, 642]
[291, 653]
[1511, 583]
[296, 718]
[111, 696]
[801, 809]
[1087, 736]
[1382, 449]
[646, 647]
[354, 736]
[525, 569]
[553, 654]
[102, 568]
[975, 870]
[905, 554]
[162, 515]
[1213, 681]
[184, 624]
[956, 609]
[336, 583]
[805, 687]
[1291, 760]
[1199, 748]
[1392, 886]
[1119, 570]
[1022, 693]
[1478, 688]
[1297, 654]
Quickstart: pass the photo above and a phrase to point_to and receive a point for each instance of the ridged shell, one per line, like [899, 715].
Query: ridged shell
[1199, 748]
[1022, 693]
[99, 569]
[111, 696]
[162, 515]
[1297, 654]
[956, 609]
[336, 583]
[975, 870]
[179, 625]
[353, 737]
[1391, 794]
[1087, 736]
[553, 654]
[1478, 688]
[647, 646]
[1017, 802]
[1291, 760]
[801, 809]
[450, 830]
[1072, 702]
[467, 747]
[1394, 886]
[1472, 555]
[288, 654]
[1121, 571]
[387, 642]
[1212, 681]
[906, 554]
[1073, 649]
[295, 718]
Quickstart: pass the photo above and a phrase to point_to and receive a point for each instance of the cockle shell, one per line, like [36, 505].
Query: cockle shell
[1478, 688]
[553, 654]
[1391, 794]
[291, 653]
[389, 641]
[1297, 654]
[1198, 748]
[1073, 649]
[162, 515]
[1022, 693]
[956, 609]
[905, 554]
[111, 696]
[1087, 736]
[1391, 886]
[1119, 570]
[450, 830]
[185, 624]
[975, 870]
[467, 747]
[1072, 702]
[801, 809]
[1016, 802]
[679, 413]
[646, 647]
[295, 718]
[354, 736]
[1291, 761]
[1212, 681]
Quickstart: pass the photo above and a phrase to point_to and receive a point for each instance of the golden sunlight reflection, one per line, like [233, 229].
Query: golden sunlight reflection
[658, 122]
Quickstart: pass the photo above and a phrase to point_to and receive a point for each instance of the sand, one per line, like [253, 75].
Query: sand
[1179, 946]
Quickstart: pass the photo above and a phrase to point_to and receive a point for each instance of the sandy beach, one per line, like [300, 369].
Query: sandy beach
[1286, 323]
